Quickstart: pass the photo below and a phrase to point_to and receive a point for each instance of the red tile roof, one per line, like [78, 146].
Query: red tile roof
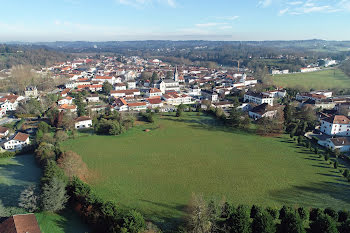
[338, 119]
[21, 137]
[24, 223]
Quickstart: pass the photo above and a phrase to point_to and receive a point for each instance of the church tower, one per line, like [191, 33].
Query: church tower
[176, 75]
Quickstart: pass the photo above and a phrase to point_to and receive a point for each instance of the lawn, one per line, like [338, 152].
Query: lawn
[156, 172]
[325, 79]
[19, 172]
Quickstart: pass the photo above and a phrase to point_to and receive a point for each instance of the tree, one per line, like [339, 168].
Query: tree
[106, 88]
[263, 223]
[345, 227]
[154, 77]
[255, 210]
[343, 215]
[198, 219]
[315, 213]
[336, 164]
[180, 110]
[28, 199]
[331, 212]
[324, 224]
[235, 118]
[60, 136]
[53, 195]
[291, 223]
[346, 173]
[134, 222]
[73, 165]
[303, 213]
[239, 221]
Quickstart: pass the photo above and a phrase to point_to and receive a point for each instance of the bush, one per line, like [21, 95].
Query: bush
[133, 222]
[7, 154]
[332, 213]
[324, 224]
[343, 215]
[315, 213]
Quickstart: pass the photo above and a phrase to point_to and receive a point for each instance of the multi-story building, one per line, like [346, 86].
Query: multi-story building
[258, 98]
[337, 125]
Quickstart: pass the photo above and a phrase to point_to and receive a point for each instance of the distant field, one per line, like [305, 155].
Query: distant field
[325, 79]
[156, 172]
[19, 172]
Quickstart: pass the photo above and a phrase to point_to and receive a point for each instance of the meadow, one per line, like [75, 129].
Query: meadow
[18, 173]
[324, 79]
[156, 172]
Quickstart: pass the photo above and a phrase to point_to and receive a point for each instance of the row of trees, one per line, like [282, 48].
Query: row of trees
[224, 217]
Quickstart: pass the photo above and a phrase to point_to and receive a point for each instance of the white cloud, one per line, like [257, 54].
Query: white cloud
[298, 7]
[209, 24]
[265, 3]
[230, 18]
[143, 3]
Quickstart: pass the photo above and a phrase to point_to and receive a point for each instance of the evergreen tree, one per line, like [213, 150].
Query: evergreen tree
[324, 224]
[28, 199]
[239, 221]
[263, 223]
[53, 195]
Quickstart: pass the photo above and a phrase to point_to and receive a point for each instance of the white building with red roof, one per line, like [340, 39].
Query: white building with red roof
[2, 112]
[66, 100]
[338, 125]
[83, 122]
[154, 92]
[17, 142]
[174, 98]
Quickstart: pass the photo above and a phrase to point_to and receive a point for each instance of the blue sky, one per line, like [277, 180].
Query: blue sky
[101, 20]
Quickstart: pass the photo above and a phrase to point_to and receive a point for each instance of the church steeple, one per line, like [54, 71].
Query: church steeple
[176, 75]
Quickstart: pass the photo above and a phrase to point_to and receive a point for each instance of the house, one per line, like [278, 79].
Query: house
[223, 104]
[17, 142]
[126, 93]
[93, 98]
[2, 112]
[314, 95]
[65, 92]
[67, 107]
[102, 79]
[119, 86]
[154, 92]
[66, 100]
[31, 92]
[338, 125]
[210, 95]
[120, 105]
[95, 87]
[131, 84]
[138, 106]
[21, 223]
[9, 102]
[340, 143]
[83, 122]
[258, 98]
[174, 98]
[275, 93]
[262, 110]
[155, 102]
[4, 131]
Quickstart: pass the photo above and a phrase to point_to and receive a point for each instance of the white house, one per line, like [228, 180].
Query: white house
[126, 93]
[119, 86]
[154, 92]
[341, 143]
[66, 100]
[9, 102]
[31, 92]
[120, 105]
[102, 79]
[17, 142]
[93, 98]
[155, 102]
[131, 84]
[338, 125]
[83, 122]
[139, 106]
[210, 95]
[177, 99]
[258, 98]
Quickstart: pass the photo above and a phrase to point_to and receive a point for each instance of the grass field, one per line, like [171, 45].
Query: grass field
[325, 79]
[156, 172]
[19, 172]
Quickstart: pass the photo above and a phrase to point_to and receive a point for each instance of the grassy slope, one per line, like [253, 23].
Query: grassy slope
[324, 79]
[19, 172]
[156, 172]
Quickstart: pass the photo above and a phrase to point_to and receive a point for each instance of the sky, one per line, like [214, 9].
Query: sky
[106, 20]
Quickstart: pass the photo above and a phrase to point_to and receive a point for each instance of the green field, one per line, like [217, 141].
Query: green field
[19, 172]
[325, 79]
[156, 172]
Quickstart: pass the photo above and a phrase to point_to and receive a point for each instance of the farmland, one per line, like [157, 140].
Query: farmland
[325, 79]
[156, 172]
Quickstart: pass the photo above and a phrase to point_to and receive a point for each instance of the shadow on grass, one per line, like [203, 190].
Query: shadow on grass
[323, 194]
[165, 219]
[15, 177]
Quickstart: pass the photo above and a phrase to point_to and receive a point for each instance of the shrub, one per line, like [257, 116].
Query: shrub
[133, 222]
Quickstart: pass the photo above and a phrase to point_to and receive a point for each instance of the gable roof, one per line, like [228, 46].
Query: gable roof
[82, 118]
[338, 119]
[21, 137]
[261, 109]
[3, 129]
[23, 223]
[342, 141]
